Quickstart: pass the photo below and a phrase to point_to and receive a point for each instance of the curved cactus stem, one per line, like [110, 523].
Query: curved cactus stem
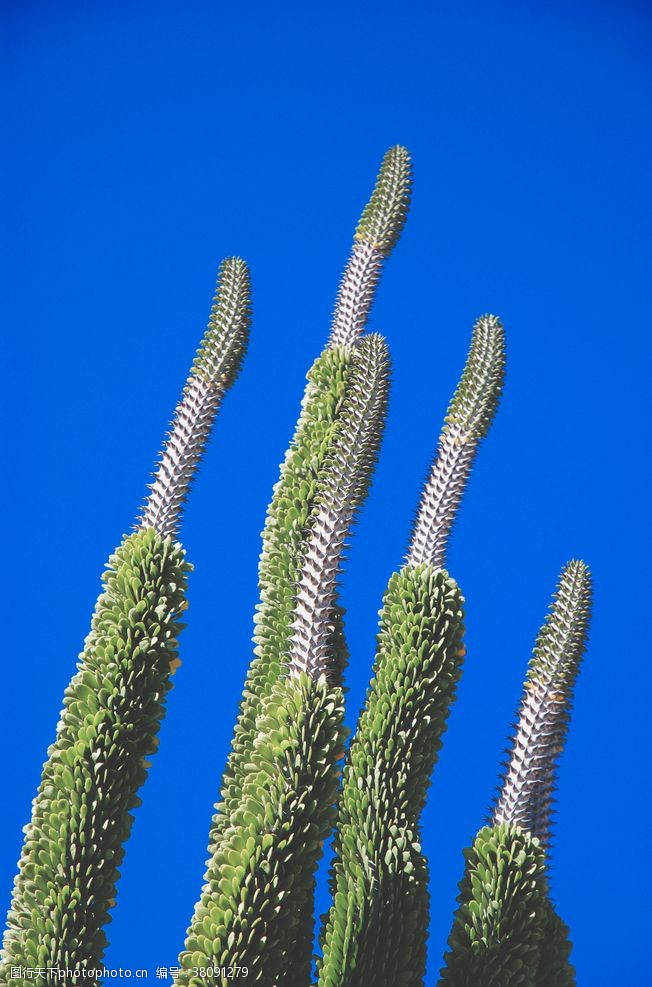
[377, 927]
[284, 538]
[346, 478]
[286, 789]
[294, 506]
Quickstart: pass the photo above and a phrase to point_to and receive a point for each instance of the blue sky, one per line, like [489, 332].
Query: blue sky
[146, 141]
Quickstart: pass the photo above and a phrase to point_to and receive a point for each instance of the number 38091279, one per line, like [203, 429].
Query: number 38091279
[226, 972]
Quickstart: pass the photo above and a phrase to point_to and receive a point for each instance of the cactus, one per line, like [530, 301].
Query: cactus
[289, 781]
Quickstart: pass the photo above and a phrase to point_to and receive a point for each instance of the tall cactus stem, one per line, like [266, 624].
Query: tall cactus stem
[376, 928]
[292, 512]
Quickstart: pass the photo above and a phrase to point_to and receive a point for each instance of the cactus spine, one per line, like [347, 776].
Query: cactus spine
[376, 236]
[348, 472]
[214, 370]
[114, 704]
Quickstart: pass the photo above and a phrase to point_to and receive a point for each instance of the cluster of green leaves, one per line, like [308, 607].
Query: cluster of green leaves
[498, 928]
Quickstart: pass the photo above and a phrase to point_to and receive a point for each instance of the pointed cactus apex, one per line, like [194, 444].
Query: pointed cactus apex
[384, 216]
[376, 235]
[528, 786]
[215, 368]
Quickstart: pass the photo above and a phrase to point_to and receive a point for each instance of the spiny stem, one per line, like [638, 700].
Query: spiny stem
[526, 793]
[284, 539]
[376, 928]
[214, 370]
[468, 419]
[349, 468]
[376, 235]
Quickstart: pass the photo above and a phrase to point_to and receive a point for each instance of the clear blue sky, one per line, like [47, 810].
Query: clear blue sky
[146, 141]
